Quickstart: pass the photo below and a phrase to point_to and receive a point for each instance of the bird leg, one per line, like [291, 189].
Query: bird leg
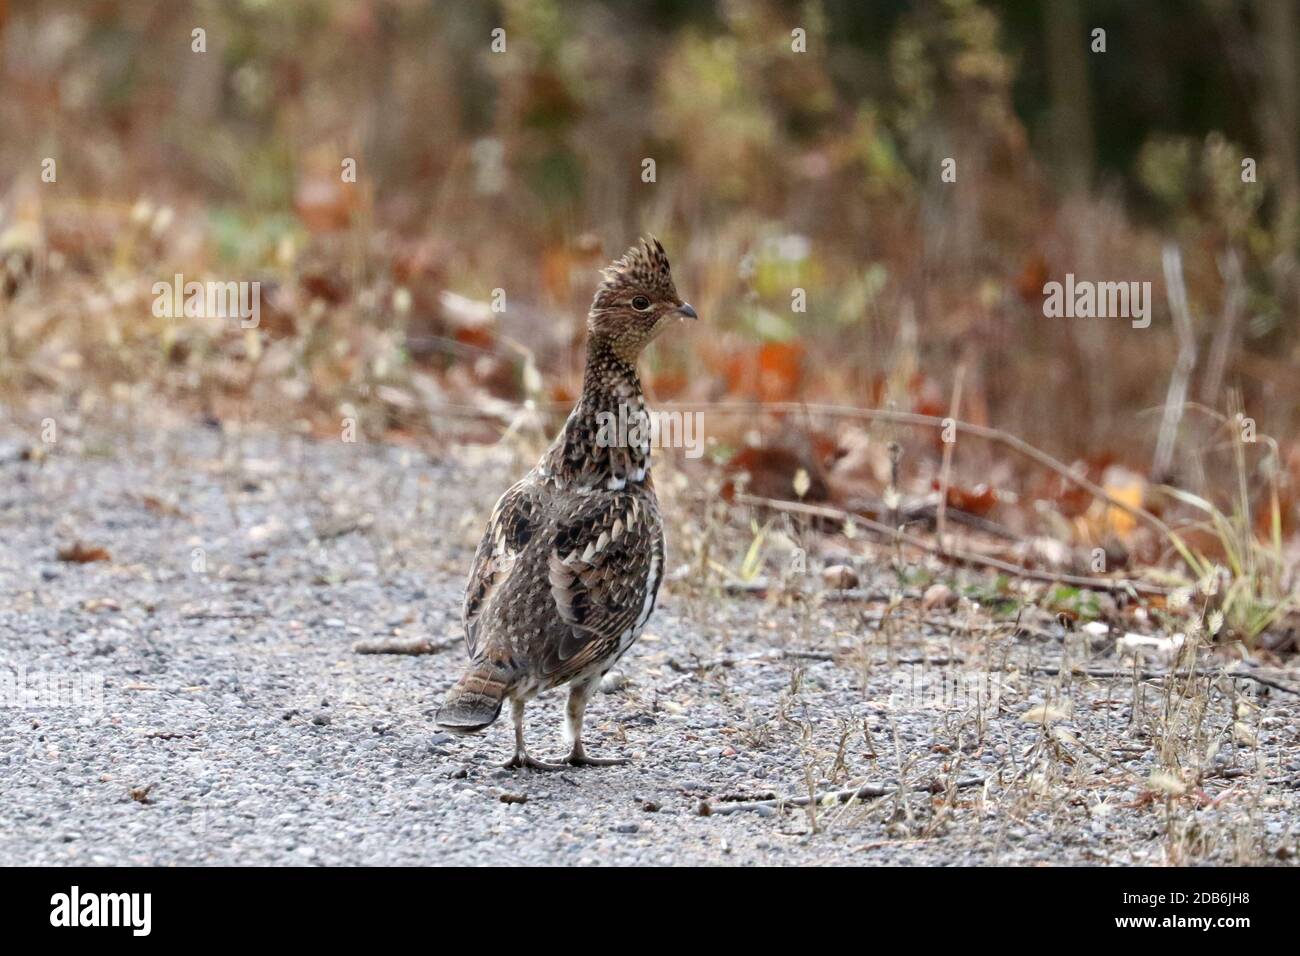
[521, 758]
[579, 694]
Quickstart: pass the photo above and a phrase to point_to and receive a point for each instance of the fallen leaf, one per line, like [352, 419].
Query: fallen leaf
[1163, 647]
[1043, 714]
[159, 506]
[1166, 782]
[772, 474]
[80, 553]
[938, 596]
[978, 500]
[1103, 521]
[780, 367]
[840, 577]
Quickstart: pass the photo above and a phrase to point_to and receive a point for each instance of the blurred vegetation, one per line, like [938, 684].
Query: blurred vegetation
[522, 171]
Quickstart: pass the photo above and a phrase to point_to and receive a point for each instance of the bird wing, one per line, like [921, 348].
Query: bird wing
[513, 522]
[604, 571]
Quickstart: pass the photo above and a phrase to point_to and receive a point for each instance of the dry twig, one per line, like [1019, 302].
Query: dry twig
[1162, 464]
[842, 796]
[405, 645]
[953, 554]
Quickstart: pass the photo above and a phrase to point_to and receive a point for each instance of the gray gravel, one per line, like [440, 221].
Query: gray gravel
[225, 717]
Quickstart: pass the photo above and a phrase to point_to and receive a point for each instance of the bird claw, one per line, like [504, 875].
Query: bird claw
[582, 760]
[525, 762]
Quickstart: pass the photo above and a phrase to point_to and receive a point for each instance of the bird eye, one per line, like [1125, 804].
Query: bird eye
[640, 303]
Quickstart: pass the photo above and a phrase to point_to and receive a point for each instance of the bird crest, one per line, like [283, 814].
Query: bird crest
[643, 267]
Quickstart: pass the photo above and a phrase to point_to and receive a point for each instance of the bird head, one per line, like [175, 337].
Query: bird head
[636, 299]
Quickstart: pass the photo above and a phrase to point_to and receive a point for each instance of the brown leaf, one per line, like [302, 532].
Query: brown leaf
[80, 553]
[978, 500]
[1033, 276]
[840, 577]
[159, 506]
[771, 474]
[938, 596]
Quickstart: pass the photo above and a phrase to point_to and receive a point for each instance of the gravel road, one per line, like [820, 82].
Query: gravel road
[195, 698]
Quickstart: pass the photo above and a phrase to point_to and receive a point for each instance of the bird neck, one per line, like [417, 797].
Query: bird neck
[610, 378]
[606, 441]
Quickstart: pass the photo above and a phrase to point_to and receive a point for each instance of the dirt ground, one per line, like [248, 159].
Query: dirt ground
[195, 697]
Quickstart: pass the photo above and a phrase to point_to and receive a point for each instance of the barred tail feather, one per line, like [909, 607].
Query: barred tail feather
[474, 702]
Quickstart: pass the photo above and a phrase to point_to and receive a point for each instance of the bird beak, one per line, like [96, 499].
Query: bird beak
[686, 312]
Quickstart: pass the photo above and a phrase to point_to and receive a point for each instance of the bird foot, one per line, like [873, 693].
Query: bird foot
[580, 759]
[525, 762]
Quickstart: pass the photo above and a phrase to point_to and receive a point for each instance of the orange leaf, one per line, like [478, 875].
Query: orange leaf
[978, 500]
[780, 368]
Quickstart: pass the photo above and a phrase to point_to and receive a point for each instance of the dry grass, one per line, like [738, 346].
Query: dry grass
[1023, 732]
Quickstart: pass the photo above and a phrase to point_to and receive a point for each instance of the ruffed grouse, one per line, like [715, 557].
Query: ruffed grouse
[567, 573]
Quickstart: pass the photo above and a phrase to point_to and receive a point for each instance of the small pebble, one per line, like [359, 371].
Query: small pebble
[839, 577]
[938, 596]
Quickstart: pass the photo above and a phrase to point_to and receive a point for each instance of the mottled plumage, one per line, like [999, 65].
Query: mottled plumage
[570, 563]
